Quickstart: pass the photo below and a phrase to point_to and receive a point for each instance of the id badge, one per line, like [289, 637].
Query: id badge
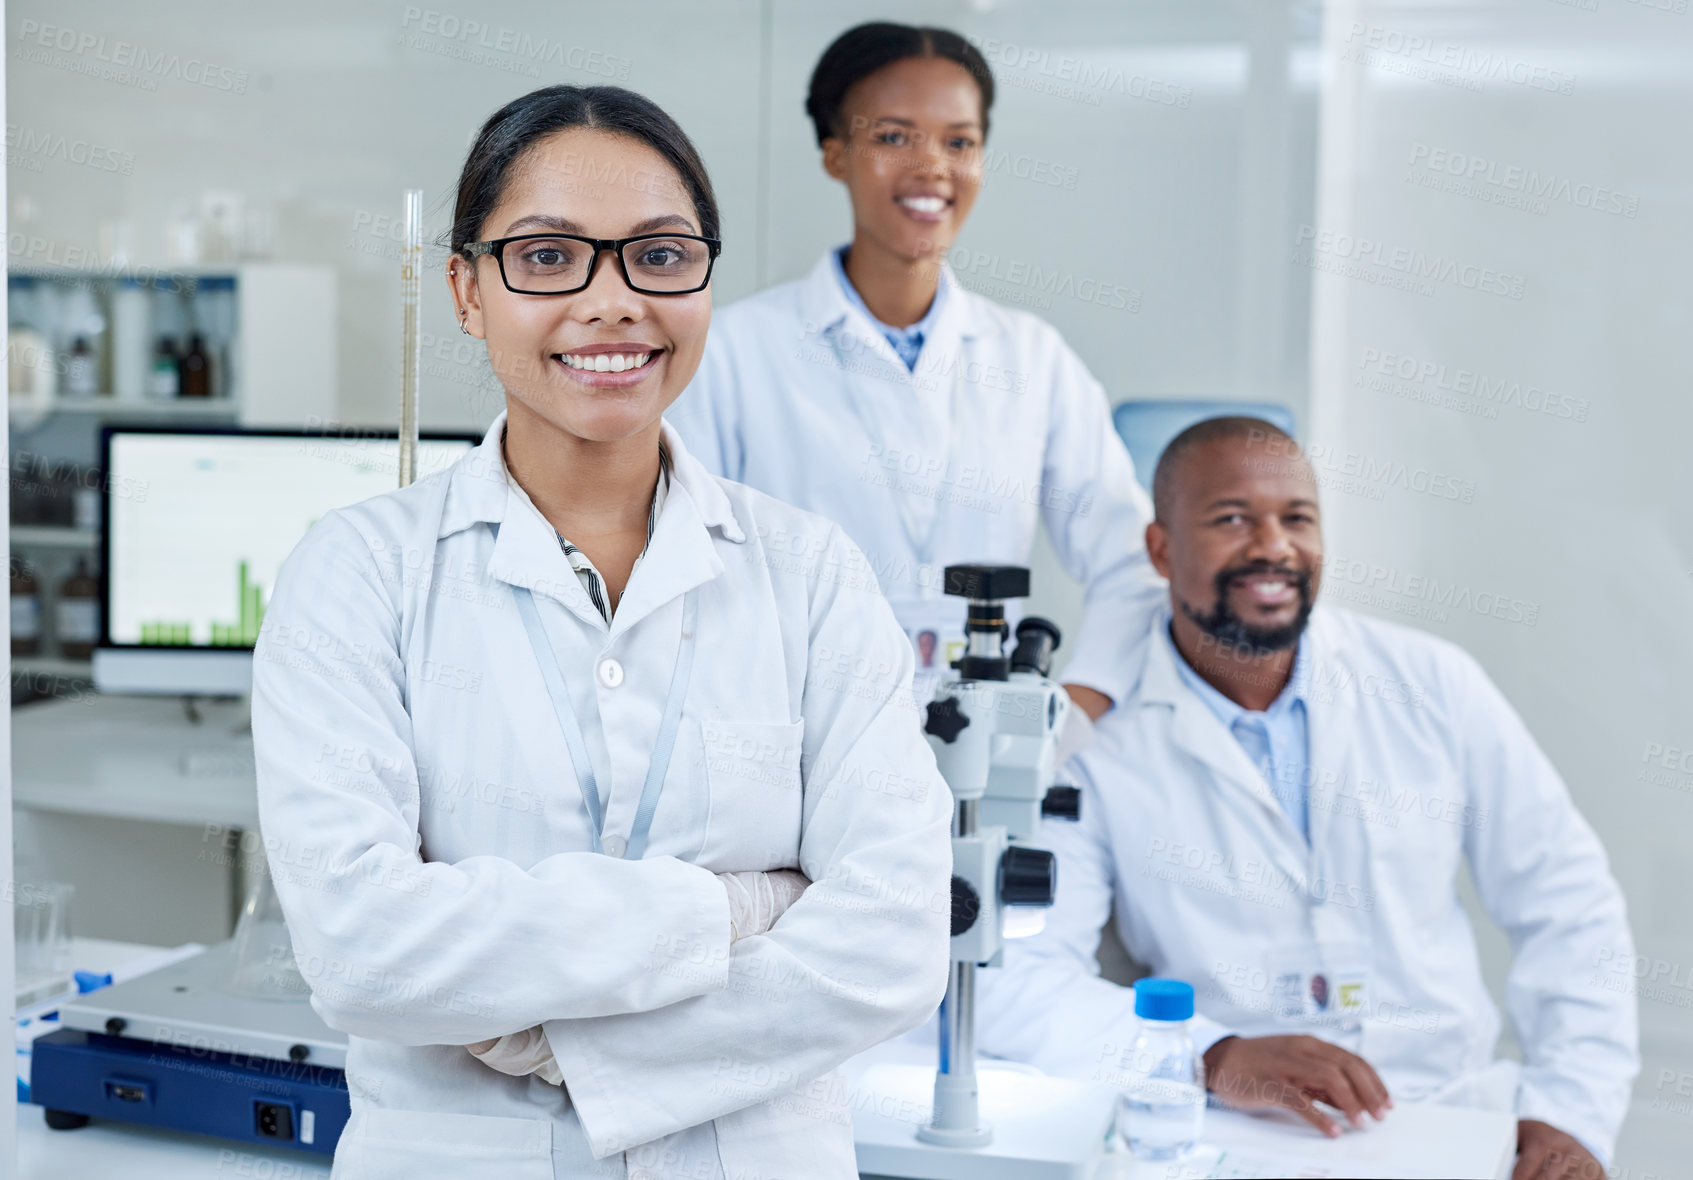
[935, 629]
[1325, 983]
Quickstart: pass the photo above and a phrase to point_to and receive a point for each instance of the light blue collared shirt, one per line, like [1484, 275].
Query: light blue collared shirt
[907, 343]
[1277, 740]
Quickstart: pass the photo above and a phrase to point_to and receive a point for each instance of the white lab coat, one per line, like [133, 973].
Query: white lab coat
[428, 838]
[1000, 427]
[1418, 764]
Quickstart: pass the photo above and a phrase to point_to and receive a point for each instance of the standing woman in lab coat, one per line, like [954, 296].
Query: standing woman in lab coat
[549, 742]
[934, 425]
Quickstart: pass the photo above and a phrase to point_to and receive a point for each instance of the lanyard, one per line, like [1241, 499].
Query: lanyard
[587, 779]
[922, 542]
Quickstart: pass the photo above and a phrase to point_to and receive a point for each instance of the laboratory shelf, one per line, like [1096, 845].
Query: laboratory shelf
[50, 666]
[108, 272]
[57, 536]
[105, 404]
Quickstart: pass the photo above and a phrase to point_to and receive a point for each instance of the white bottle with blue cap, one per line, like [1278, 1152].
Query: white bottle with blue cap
[1162, 1109]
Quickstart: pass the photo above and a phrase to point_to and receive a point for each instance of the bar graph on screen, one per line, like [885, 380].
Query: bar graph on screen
[250, 601]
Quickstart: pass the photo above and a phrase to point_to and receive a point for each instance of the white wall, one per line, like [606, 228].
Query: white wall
[1576, 519]
[1183, 159]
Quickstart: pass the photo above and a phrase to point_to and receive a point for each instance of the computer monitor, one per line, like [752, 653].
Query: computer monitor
[197, 524]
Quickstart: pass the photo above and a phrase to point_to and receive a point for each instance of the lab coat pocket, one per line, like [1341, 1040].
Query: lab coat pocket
[752, 768]
[1413, 835]
[421, 1145]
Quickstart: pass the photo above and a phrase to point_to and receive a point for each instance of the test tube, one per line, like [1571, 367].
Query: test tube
[411, 344]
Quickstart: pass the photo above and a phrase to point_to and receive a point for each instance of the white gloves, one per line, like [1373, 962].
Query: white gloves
[520, 1053]
[1075, 734]
[756, 900]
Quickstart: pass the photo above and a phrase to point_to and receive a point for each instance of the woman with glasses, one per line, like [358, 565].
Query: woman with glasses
[934, 425]
[593, 793]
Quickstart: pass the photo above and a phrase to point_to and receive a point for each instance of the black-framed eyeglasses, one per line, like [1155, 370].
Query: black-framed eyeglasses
[559, 264]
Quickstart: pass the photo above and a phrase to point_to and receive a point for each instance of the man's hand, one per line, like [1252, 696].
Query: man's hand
[1546, 1153]
[1294, 1073]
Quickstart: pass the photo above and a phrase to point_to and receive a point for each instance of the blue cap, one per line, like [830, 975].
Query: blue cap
[92, 981]
[1163, 999]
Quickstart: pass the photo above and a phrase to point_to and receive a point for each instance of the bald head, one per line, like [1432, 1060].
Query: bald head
[1236, 532]
[1251, 433]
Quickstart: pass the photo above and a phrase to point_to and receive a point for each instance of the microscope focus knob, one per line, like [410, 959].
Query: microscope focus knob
[1062, 803]
[966, 906]
[1028, 876]
[945, 720]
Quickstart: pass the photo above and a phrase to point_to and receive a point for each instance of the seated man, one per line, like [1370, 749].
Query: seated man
[1279, 811]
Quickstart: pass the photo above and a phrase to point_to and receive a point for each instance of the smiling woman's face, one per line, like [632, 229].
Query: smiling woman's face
[911, 156]
[545, 348]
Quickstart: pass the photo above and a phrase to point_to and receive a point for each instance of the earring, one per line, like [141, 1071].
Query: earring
[462, 314]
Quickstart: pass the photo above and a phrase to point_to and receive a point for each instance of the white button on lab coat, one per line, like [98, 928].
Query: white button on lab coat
[1418, 764]
[999, 428]
[429, 840]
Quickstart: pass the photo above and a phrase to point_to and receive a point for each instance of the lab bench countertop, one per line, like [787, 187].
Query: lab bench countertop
[136, 757]
[1415, 1141]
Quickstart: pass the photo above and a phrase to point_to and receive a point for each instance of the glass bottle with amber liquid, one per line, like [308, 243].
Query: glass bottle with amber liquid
[77, 613]
[195, 369]
[26, 609]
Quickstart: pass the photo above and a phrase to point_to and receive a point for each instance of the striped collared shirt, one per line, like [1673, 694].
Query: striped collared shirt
[590, 577]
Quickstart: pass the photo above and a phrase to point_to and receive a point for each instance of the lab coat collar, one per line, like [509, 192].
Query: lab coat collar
[826, 310]
[1195, 728]
[479, 489]
[1330, 718]
[682, 553]
[527, 553]
[1297, 689]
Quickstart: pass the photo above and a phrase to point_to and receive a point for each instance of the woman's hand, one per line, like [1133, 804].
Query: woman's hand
[520, 1053]
[756, 900]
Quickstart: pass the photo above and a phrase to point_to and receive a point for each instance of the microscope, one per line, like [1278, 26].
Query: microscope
[993, 726]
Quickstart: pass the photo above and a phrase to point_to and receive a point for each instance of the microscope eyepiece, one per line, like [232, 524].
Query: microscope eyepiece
[1062, 803]
[1037, 639]
[987, 587]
